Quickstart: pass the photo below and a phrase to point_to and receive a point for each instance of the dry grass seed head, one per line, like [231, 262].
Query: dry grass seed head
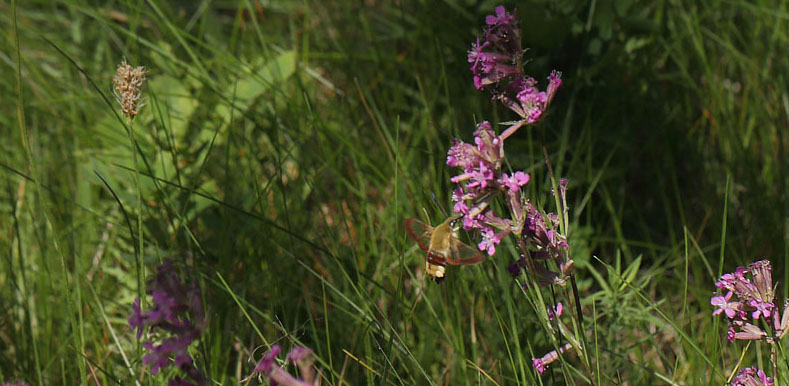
[128, 82]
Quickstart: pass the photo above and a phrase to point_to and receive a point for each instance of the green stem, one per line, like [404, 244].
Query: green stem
[139, 244]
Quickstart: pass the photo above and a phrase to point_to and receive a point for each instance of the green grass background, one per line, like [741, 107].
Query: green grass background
[283, 143]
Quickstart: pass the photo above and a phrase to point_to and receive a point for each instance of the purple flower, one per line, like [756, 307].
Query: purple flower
[766, 381]
[543, 234]
[751, 376]
[302, 357]
[502, 17]
[554, 82]
[473, 222]
[277, 375]
[514, 268]
[532, 100]
[460, 207]
[763, 280]
[746, 290]
[138, 318]
[761, 308]
[299, 353]
[730, 308]
[515, 181]
[489, 145]
[177, 318]
[269, 360]
[497, 55]
[753, 287]
[496, 62]
[749, 332]
[479, 178]
[462, 155]
[476, 56]
[540, 364]
[553, 314]
[490, 239]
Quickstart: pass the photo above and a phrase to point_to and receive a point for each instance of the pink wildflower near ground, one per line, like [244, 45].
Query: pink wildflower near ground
[753, 289]
[753, 316]
[751, 376]
[277, 375]
[541, 364]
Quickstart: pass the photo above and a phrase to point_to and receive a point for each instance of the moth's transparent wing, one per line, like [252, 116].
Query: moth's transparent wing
[419, 231]
[463, 254]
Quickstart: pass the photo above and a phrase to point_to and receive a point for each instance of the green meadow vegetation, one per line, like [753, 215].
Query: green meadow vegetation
[282, 145]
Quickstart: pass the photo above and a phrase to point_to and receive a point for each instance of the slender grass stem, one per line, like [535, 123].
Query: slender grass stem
[139, 242]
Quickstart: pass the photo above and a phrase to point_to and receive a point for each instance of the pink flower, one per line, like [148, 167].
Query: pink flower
[724, 305]
[749, 332]
[763, 280]
[299, 355]
[462, 155]
[538, 365]
[554, 314]
[554, 82]
[473, 222]
[502, 17]
[515, 181]
[460, 207]
[489, 240]
[762, 308]
[748, 377]
[176, 316]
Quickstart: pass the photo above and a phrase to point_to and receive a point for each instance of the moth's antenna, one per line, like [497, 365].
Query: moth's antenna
[427, 216]
[435, 200]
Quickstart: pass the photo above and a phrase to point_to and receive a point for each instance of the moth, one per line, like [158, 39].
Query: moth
[442, 245]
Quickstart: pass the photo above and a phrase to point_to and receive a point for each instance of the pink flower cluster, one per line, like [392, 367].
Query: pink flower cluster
[754, 300]
[542, 236]
[481, 181]
[497, 59]
[751, 376]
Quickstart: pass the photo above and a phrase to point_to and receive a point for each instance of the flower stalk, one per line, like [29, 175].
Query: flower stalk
[496, 62]
[128, 82]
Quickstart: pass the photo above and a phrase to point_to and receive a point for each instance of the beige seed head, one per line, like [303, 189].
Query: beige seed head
[128, 88]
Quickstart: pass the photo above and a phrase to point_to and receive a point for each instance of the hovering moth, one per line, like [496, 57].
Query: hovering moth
[442, 245]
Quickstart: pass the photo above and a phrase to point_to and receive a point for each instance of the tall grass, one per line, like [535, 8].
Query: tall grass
[284, 143]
